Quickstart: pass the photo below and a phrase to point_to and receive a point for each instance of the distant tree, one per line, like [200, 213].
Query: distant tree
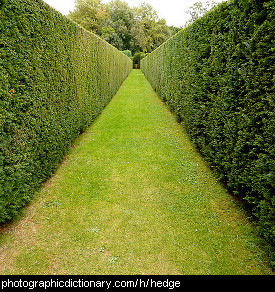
[174, 30]
[116, 29]
[148, 31]
[198, 9]
[109, 34]
[137, 29]
[89, 14]
[127, 53]
[139, 40]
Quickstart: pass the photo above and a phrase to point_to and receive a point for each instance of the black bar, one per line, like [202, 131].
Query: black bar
[110, 283]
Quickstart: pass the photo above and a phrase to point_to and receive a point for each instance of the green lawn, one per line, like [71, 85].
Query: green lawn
[132, 197]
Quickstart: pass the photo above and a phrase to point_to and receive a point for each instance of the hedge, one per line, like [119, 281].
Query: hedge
[55, 79]
[217, 75]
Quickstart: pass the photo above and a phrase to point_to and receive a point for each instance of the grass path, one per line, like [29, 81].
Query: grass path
[132, 197]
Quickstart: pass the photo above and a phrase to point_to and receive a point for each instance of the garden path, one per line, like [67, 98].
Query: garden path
[132, 197]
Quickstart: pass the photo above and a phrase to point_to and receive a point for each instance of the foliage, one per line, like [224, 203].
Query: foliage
[217, 75]
[89, 14]
[134, 29]
[2, 3]
[174, 30]
[199, 9]
[55, 80]
[118, 24]
[148, 31]
[138, 56]
[127, 53]
[121, 198]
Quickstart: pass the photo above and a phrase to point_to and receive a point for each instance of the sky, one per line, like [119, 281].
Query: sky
[174, 11]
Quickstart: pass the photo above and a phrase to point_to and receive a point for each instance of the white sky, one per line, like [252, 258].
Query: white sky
[171, 10]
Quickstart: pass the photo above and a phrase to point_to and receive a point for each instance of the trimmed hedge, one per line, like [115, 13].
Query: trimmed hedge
[217, 75]
[55, 79]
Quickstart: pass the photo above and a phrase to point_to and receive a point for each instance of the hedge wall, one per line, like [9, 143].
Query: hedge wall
[55, 79]
[217, 75]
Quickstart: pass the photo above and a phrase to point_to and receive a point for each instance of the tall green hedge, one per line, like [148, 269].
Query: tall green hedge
[55, 79]
[217, 75]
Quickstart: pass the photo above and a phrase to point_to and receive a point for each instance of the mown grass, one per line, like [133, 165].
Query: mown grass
[132, 197]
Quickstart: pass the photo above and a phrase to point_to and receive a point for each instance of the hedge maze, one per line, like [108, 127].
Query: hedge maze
[216, 75]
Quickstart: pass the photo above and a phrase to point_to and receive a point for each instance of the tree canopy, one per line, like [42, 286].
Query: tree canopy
[137, 29]
[199, 9]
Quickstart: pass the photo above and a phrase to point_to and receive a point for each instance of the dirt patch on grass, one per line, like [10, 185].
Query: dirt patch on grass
[17, 233]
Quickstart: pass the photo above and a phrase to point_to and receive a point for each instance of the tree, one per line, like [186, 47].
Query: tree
[135, 29]
[174, 30]
[120, 20]
[109, 34]
[127, 53]
[198, 9]
[148, 31]
[89, 14]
